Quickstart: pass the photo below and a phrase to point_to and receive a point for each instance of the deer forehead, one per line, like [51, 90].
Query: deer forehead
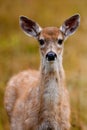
[51, 33]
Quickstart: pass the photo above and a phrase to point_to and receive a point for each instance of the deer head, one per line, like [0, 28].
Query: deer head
[51, 39]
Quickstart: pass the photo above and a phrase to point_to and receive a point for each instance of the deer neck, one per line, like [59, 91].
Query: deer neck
[52, 78]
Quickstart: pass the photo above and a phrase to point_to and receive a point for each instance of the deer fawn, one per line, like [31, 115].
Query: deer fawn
[39, 100]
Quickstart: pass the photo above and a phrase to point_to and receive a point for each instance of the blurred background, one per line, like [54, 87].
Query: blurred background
[19, 52]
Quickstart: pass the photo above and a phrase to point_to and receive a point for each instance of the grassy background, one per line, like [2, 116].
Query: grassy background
[18, 52]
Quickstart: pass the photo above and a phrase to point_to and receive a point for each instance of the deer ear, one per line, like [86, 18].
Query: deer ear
[30, 27]
[70, 25]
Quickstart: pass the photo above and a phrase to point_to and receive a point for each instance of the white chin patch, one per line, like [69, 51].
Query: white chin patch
[51, 65]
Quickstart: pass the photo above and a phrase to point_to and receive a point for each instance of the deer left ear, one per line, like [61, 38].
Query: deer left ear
[30, 27]
[70, 25]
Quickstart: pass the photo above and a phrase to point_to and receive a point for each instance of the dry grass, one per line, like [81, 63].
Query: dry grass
[18, 52]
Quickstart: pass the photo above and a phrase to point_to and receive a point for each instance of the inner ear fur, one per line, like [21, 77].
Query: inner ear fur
[30, 27]
[70, 25]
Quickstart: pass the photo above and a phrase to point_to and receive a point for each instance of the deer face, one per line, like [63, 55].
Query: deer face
[51, 43]
[50, 38]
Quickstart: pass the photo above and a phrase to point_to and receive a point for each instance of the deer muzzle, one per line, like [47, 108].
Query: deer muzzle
[51, 56]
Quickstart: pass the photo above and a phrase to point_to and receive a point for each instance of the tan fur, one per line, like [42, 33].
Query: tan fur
[39, 100]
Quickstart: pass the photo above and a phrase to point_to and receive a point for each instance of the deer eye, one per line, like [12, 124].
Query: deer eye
[60, 41]
[41, 41]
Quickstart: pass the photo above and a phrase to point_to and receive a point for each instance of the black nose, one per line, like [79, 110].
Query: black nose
[51, 56]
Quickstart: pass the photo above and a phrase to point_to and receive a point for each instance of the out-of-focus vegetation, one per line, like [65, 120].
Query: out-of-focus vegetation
[18, 52]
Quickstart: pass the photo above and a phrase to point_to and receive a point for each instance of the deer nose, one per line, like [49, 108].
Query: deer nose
[51, 56]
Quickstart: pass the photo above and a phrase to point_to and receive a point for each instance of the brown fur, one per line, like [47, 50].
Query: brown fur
[25, 100]
[39, 100]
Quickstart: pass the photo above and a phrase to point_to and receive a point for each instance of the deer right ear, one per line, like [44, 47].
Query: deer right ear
[30, 27]
[70, 25]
